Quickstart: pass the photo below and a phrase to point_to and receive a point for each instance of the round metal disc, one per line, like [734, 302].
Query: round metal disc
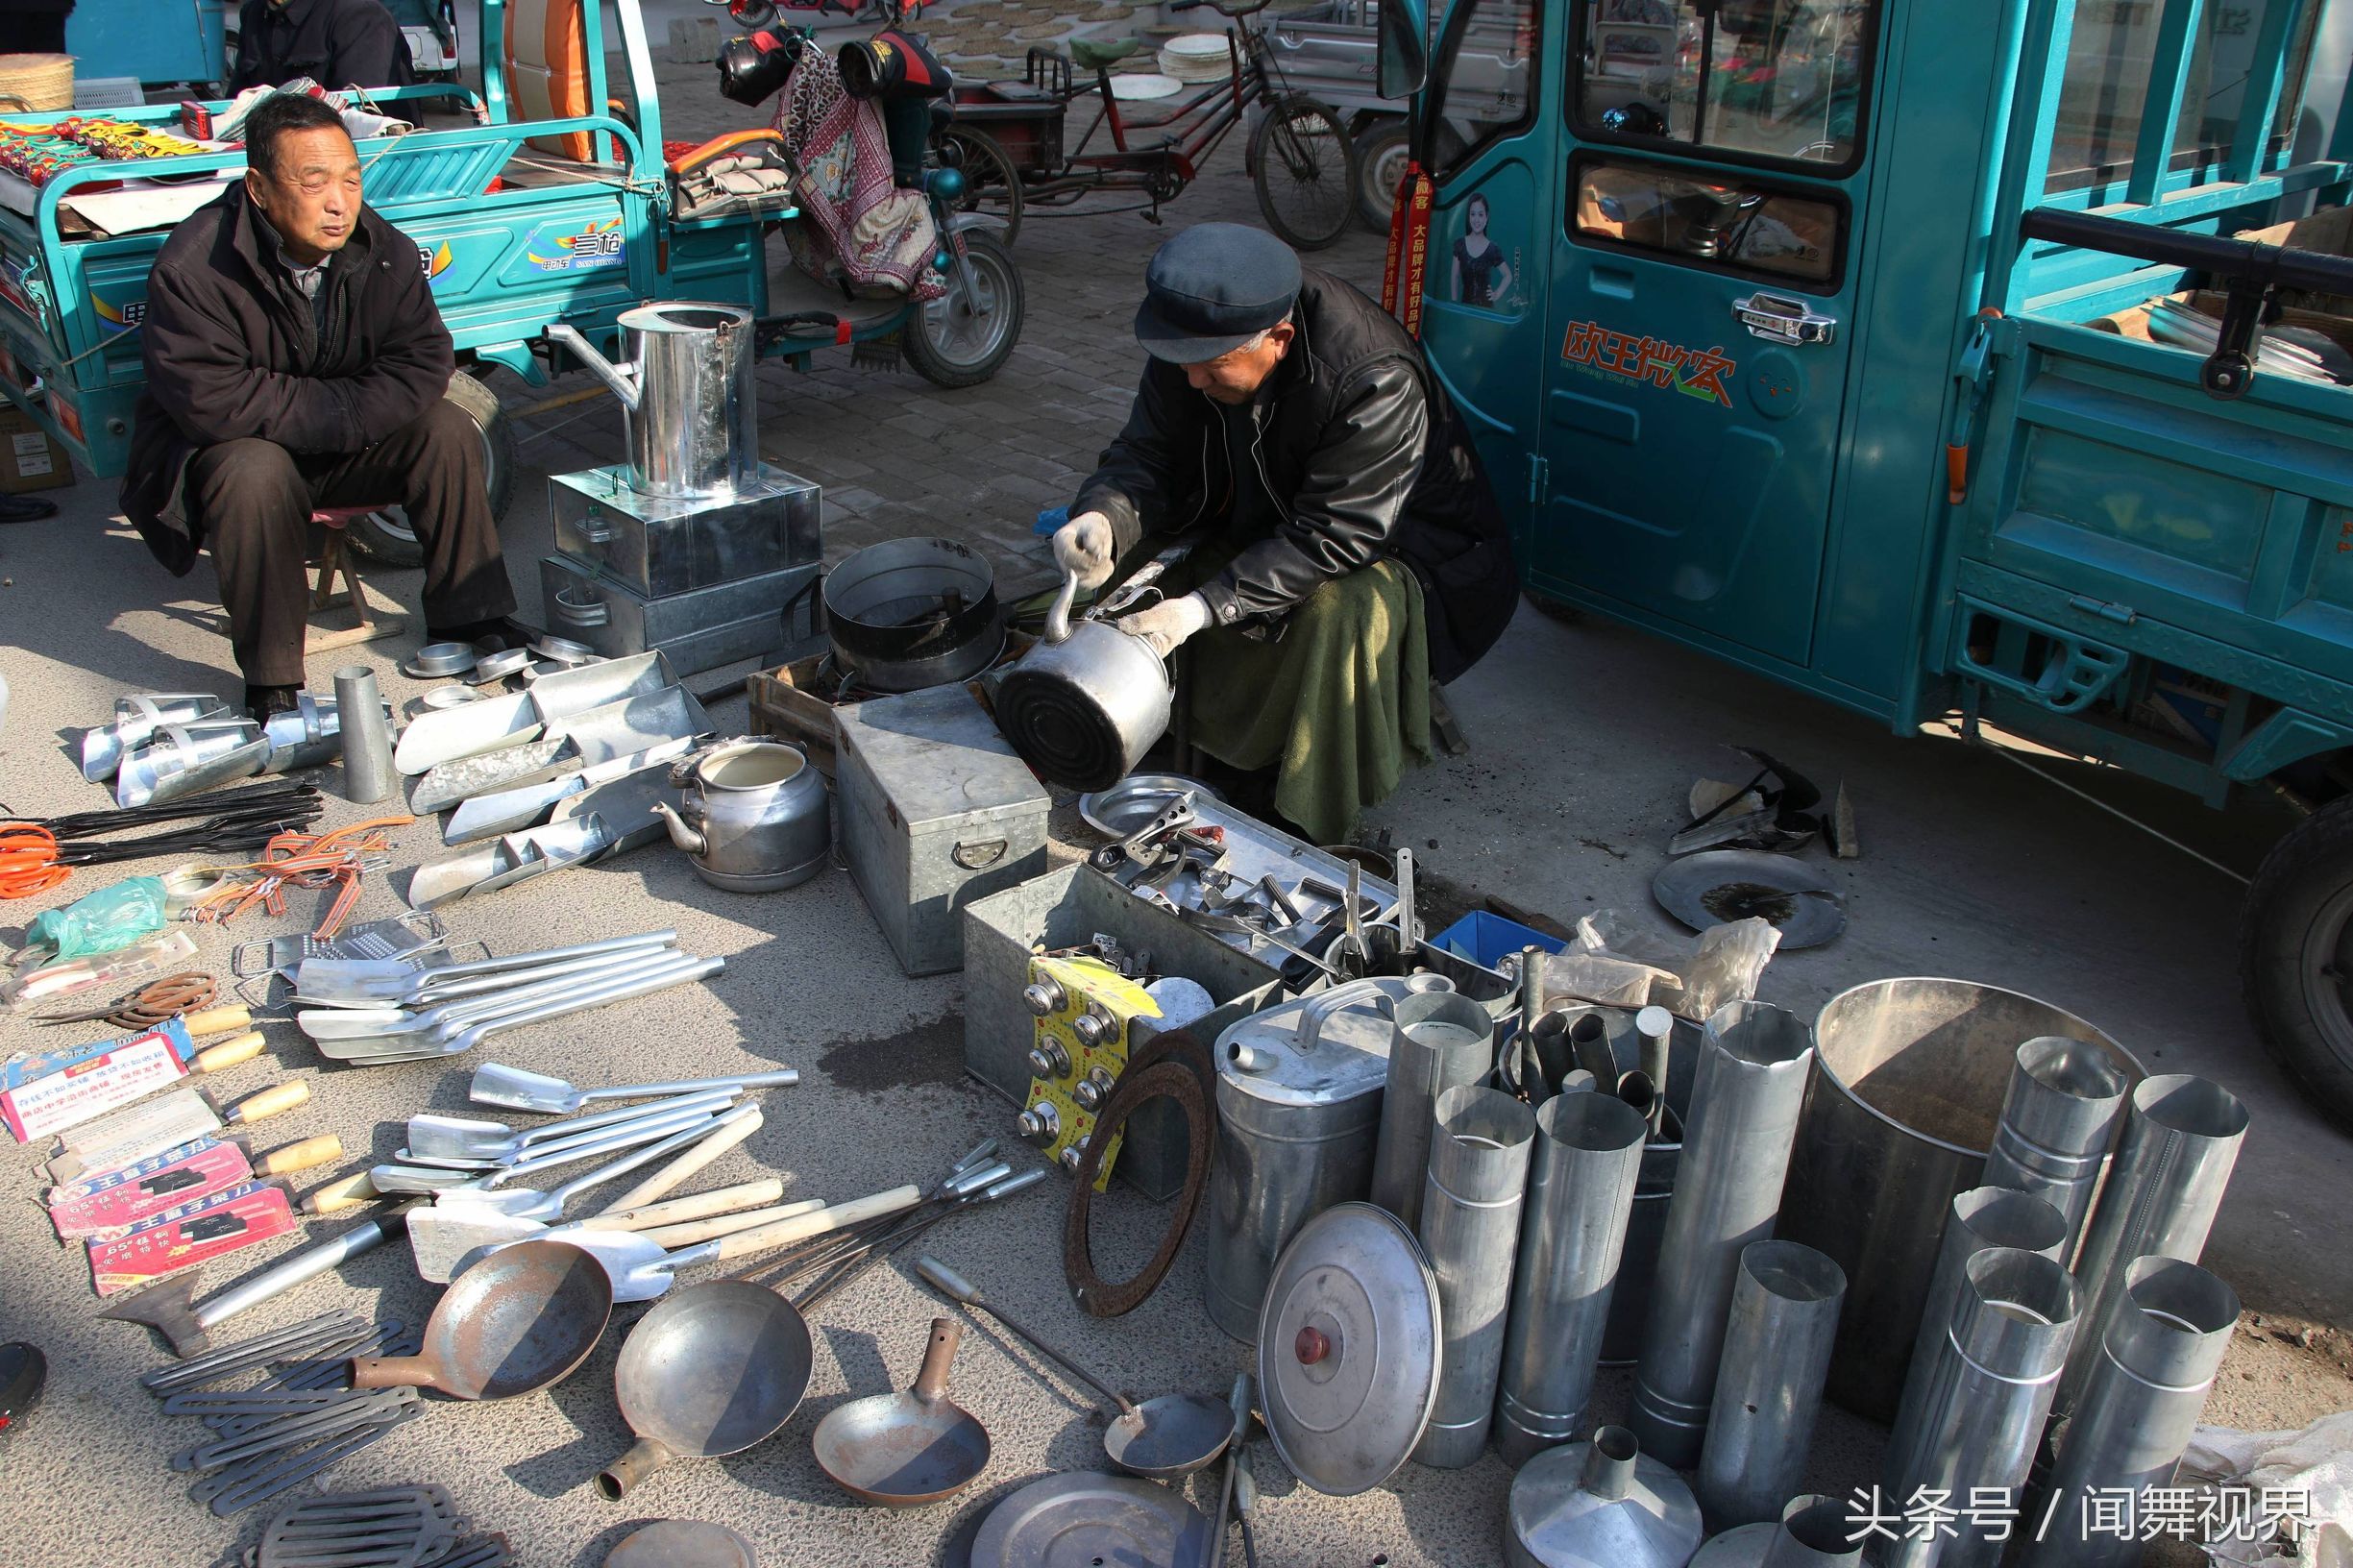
[1349, 1349]
[1130, 805]
[682, 1543]
[1073, 1521]
[1718, 885]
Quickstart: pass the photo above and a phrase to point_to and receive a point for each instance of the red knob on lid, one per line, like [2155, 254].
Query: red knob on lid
[1311, 1346]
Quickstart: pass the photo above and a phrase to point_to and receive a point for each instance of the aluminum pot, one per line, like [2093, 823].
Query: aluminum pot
[1909, 1084]
[687, 388]
[754, 819]
[911, 613]
[1084, 704]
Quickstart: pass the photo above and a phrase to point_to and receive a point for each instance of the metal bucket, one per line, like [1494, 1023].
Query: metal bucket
[911, 613]
[1909, 1084]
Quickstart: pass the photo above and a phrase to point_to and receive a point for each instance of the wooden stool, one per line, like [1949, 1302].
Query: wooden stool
[325, 601]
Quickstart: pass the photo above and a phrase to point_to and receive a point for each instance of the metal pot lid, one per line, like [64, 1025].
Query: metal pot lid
[681, 1543]
[1349, 1349]
[1130, 805]
[495, 667]
[1718, 885]
[1073, 1520]
[436, 660]
[449, 696]
[1265, 1055]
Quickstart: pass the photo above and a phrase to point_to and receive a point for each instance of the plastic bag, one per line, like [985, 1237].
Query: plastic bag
[100, 921]
[1731, 959]
[2312, 1467]
[1599, 977]
[1690, 981]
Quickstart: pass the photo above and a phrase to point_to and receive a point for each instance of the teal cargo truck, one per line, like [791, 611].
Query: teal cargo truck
[1908, 353]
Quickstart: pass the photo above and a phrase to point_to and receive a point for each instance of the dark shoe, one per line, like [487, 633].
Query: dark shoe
[25, 508]
[264, 701]
[493, 636]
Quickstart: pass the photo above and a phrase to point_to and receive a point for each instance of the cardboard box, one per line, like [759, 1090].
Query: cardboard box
[29, 459]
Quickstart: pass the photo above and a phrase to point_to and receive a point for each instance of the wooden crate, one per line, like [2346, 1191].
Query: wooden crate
[788, 703]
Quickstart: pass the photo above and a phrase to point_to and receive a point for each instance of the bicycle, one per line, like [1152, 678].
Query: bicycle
[1301, 159]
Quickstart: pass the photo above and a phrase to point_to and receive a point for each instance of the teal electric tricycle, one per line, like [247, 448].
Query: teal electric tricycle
[548, 197]
[1917, 353]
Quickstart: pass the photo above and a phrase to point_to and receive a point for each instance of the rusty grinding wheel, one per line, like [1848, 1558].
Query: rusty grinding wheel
[1173, 1066]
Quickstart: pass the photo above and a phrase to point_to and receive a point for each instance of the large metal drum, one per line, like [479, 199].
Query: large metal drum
[1908, 1081]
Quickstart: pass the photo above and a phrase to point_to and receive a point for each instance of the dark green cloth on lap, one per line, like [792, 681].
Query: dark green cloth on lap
[1338, 704]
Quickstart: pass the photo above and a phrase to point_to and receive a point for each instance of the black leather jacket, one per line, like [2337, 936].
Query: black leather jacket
[1357, 454]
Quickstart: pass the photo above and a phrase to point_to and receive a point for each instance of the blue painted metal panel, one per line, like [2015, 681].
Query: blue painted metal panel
[158, 41]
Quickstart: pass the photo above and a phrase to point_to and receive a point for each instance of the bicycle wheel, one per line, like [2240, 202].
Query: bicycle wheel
[990, 182]
[959, 340]
[1305, 167]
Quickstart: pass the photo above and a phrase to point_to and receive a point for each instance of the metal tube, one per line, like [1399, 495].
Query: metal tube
[2140, 1403]
[1982, 1218]
[2060, 1119]
[368, 776]
[1972, 1421]
[2180, 1142]
[1470, 1227]
[1531, 986]
[1440, 1040]
[1654, 1027]
[1753, 1061]
[1777, 1353]
[1580, 1192]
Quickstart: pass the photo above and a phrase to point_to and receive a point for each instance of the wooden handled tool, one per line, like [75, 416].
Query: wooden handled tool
[215, 1020]
[229, 1053]
[731, 1130]
[269, 1102]
[785, 1232]
[724, 1200]
[709, 1230]
[348, 1192]
[308, 1154]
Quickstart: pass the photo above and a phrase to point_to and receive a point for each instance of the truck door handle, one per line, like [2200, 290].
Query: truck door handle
[1779, 319]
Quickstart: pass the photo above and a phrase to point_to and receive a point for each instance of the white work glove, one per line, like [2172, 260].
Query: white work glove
[1169, 622]
[1083, 547]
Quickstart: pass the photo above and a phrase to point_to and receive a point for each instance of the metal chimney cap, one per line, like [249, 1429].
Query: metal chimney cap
[1349, 1349]
[1552, 1521]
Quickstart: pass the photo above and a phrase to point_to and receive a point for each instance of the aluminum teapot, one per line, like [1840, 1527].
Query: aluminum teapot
[755, 817]
[1086, 704]
[687, 388]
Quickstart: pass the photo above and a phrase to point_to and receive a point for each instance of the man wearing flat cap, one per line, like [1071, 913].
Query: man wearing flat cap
[1346, 547]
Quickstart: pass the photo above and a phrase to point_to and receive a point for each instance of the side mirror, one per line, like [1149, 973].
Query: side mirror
[1403, 48]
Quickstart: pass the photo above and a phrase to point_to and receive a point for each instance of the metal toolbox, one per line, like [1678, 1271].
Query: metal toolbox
[936, 811]
[1063, 909]
[664, 545]
[774, 613]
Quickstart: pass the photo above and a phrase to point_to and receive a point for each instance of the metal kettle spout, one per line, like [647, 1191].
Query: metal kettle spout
[684, 837]
[623, 378]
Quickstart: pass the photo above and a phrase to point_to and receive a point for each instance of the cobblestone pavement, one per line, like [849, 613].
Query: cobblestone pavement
[897, 456]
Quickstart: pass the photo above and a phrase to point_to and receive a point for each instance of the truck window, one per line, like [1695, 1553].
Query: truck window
[2110, 61]
[1740, 227]
[1782, 81]
[1489, 90]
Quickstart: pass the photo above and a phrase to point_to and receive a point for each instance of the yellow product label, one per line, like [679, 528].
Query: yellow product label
[1076, 1125]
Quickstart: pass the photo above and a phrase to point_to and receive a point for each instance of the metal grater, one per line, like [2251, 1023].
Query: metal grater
[406, 937]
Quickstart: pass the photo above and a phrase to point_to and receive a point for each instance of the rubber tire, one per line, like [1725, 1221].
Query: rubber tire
[385, 537]
[1376, 197]
[989, 255]
[1344, 210]
[2306, 883]
[983, 151]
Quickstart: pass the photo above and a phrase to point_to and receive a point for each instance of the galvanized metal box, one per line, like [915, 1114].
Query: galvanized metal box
[663, 545]
[1063, 909]
[774, 613]
[936, 811]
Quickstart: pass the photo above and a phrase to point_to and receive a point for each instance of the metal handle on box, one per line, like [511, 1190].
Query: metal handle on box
[979, 856]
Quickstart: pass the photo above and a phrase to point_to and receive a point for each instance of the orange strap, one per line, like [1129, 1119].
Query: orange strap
[29, 861]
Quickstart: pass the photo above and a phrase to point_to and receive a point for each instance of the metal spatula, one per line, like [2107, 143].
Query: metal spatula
[519, 1090]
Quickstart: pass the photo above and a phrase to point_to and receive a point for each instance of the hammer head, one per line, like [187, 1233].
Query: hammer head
[170, 1307]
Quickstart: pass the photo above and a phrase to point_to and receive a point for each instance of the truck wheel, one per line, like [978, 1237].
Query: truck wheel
[956, 342]
[385, 537]
[1381, 163]
[2296, 957]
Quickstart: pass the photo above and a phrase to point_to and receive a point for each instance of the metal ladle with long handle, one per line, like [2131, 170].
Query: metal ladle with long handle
[1161, 1438]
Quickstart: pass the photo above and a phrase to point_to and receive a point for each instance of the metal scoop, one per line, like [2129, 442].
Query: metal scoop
[372, 978]
[429, 990]
[514, 1323]
[1162, 1439]
[657, 1123]
[712, 1370]
[448, 1231]
[529, 985]
[453, 1037]
[906, 1450]
[519, 1090]
[435, 1140]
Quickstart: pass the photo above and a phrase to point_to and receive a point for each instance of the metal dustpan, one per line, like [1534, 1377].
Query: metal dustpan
[599, 735]
[624, 805]
[137, 719]
[188, 759]
[503, 862]
[335, 982]
[512, 810]
[435, 738]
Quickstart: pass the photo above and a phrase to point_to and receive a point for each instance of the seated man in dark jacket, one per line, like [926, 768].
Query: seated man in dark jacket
[295, 359]
[336, 43]
[1348, 548]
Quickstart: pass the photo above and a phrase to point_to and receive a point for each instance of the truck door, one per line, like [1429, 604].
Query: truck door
[1703, 275]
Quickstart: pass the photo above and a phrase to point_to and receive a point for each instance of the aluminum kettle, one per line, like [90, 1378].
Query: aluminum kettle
[687, 388]
[755, 817]
[1084, 704]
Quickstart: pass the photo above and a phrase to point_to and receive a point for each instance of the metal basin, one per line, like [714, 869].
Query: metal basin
[1907, 1086]
[912, 613]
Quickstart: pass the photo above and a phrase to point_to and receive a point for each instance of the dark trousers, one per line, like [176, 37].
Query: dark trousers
[250, 501]
[32, 32]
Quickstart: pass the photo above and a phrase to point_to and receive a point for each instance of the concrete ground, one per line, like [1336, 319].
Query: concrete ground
[1585, 737]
